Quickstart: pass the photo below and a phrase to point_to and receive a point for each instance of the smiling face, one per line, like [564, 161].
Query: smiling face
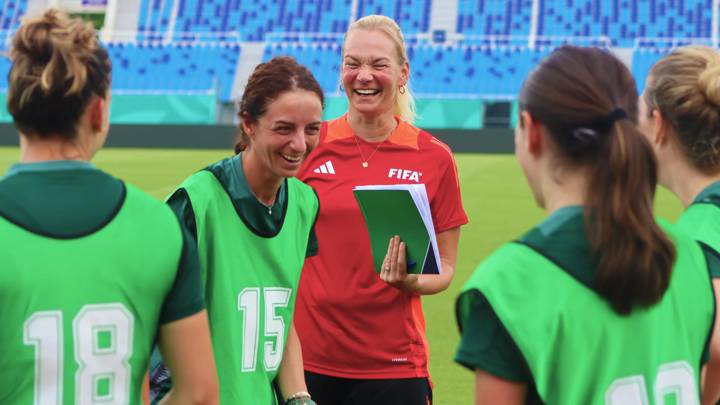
[284, 135]
[372, 72]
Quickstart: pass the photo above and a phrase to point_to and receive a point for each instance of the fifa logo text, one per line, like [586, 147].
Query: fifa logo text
[403, 174]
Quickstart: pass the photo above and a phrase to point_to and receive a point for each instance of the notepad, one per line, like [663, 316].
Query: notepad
[404, 210]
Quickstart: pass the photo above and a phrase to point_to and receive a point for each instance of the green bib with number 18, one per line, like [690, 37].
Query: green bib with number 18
[79, 315]
[580, 351]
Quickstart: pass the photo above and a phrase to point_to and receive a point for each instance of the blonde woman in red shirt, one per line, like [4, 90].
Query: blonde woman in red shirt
[363, 334]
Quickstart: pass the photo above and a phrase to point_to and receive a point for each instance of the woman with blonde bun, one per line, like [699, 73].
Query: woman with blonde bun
[680, 116]
[94, 271]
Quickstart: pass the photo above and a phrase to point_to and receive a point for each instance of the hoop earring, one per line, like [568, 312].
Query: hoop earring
[342, 89]
[402, 89]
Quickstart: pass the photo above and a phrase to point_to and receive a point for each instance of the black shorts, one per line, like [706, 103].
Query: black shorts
[326, 390]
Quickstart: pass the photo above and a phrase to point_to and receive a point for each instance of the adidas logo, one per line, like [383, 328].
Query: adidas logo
[325, 168]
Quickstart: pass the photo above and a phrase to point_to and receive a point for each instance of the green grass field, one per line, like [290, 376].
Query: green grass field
[495, 196]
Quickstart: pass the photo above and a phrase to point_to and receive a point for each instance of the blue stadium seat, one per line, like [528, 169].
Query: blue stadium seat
[490, 62]
[643, 59]
[413, 16]
[624, 21]
[154, 67]
[455, 71]
[11, 11]
[154, 19]
[471, 70]
[494, 17]
[4, 70]
[251, 20]
[322, 59]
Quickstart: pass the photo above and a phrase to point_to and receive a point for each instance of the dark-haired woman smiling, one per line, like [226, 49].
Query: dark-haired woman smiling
[252, 222]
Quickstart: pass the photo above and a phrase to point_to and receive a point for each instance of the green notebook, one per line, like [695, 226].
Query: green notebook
[404, 210]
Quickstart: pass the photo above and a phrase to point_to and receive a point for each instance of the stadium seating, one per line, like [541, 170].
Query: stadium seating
[643, 59]
[151, 67]
[194, 45]
[623, 21]
[322, 59]
[154, 19]
[249, 20]
[469, 71]
[463, 70]
[494, 17]
[413, 16]
[10, 13]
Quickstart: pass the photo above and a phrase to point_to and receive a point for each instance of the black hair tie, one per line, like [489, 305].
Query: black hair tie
[585, 136]
[616, 114]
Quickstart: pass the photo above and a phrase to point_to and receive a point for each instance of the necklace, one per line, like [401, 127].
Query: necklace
[365, 161]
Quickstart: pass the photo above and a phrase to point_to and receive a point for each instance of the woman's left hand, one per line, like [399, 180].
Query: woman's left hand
[394, 267]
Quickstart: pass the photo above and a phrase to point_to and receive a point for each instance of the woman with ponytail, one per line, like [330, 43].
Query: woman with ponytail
[252, 223]
[94, 271]
[680, 116]
[599, 303]
[373, 324]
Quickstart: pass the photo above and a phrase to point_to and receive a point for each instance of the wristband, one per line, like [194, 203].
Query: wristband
[300, 398]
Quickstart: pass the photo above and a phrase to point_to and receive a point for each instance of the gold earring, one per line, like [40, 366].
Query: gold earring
[402, 89]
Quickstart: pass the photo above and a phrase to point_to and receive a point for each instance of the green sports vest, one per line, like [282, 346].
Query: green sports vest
[250, 285]
[580, 351]
[701, 220]
[79, 316]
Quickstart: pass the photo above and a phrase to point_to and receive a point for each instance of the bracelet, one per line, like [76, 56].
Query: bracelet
[300, 398]
[300, 401]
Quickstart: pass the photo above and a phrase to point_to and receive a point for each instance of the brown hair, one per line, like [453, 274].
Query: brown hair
[58, 65]
[404, 102]
[268, 81]
[685, 87]
[586, 98]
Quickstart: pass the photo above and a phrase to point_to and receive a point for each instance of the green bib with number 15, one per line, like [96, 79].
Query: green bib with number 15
[250, 285]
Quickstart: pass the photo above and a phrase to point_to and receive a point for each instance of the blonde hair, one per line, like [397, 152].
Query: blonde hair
[58, 64]
[404, 102]
[685, 87]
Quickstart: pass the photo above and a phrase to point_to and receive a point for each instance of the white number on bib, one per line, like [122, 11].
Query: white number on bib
[249, 304]
[677, 379]
[102, 342]
[44, 331]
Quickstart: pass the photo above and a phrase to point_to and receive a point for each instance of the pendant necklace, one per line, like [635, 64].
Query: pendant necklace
[267, 207]
[365, 163]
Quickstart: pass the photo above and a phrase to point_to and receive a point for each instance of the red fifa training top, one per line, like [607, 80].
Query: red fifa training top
[351, 324]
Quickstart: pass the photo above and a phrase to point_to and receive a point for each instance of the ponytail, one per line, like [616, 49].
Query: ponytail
[586, 99]
[635, 257]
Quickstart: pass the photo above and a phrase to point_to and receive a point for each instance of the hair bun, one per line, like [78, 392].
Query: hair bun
[55, 49]
[58, 64]
[709, 81]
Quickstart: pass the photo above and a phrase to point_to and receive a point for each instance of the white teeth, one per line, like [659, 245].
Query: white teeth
[292, 158]
[366, 92]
